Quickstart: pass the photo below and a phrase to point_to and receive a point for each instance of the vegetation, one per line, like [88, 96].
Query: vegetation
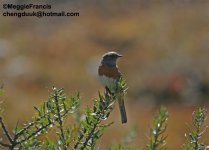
[156, 137]
[196, 131]
[84, 132]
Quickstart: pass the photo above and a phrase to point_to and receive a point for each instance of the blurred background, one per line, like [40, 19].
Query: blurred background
[166, 60]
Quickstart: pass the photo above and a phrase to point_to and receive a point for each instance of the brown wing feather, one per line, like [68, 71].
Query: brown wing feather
[109, 72]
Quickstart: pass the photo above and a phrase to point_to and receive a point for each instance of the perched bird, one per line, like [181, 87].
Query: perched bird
[109, 74]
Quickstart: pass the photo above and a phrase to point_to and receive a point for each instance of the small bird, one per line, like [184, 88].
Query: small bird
[109, 75]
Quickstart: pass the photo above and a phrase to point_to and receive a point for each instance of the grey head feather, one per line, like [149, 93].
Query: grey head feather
[110, 58]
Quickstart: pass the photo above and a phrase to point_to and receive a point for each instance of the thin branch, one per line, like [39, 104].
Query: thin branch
[96, 124]
[15, 134]
[5, 130]
[34, 133]
[90, 134]
[60, 120]
[79, 139]
[40, 129]
[30, 125]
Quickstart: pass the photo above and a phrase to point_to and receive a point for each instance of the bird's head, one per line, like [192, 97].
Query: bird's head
[110, 58]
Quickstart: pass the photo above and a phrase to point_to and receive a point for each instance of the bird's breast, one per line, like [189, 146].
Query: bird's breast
[108, 76]
[108, 82]
[111, 72]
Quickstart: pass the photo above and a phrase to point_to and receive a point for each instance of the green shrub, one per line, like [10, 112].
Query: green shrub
[84, 132]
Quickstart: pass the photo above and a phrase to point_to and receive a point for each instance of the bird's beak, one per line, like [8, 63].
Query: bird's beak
[120, 55]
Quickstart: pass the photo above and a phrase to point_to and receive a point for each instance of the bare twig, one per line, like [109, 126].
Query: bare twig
[5, 130]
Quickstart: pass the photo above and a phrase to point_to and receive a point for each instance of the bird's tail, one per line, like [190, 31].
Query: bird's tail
[122, 110]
